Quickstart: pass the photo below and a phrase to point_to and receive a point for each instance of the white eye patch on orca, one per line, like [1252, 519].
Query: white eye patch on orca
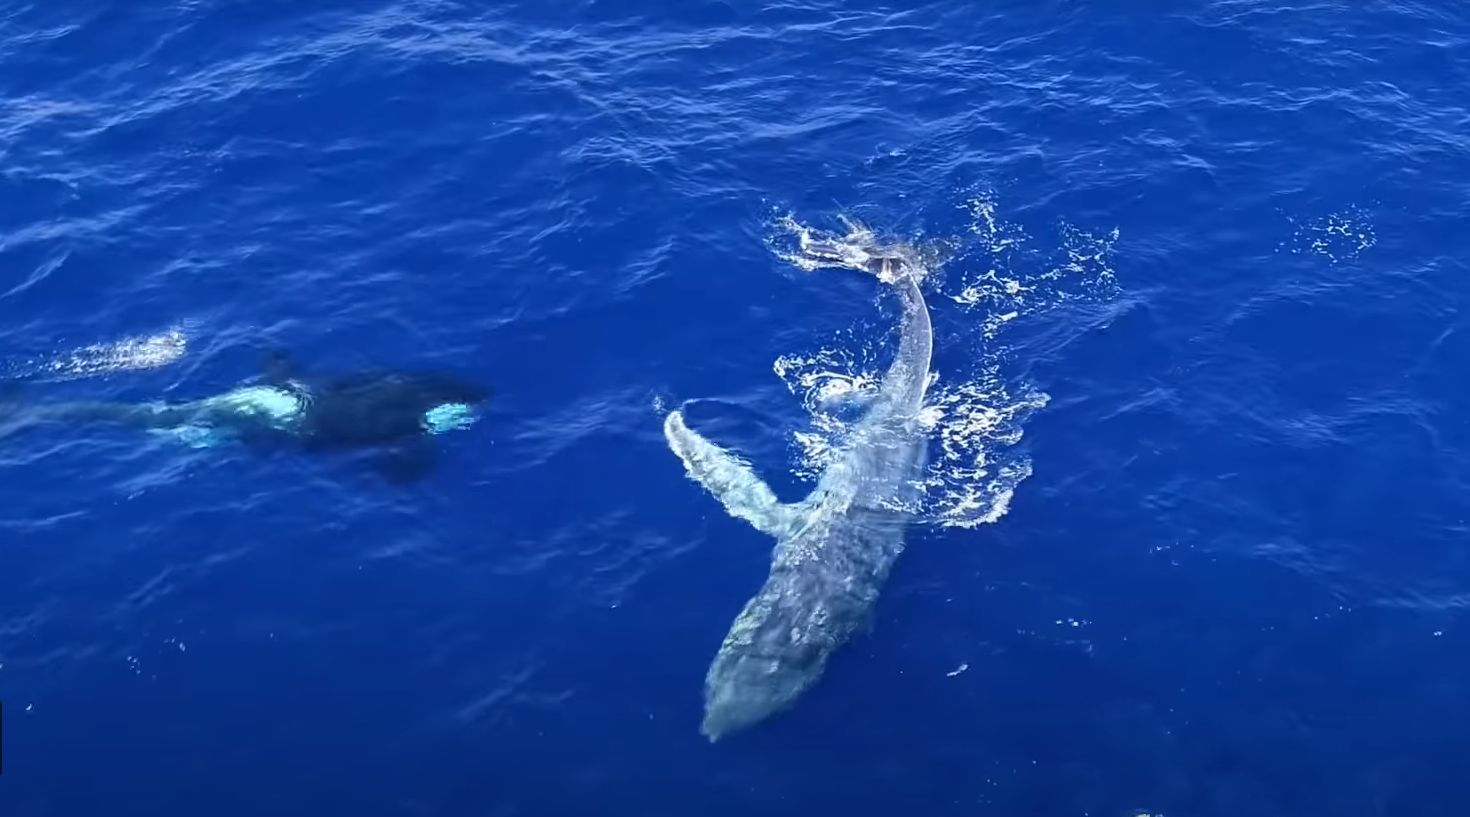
[449, 417]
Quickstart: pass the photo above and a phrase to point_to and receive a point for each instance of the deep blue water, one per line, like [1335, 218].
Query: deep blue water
[1223, 239]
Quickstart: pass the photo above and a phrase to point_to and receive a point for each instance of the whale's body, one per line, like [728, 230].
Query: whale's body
[834, 549]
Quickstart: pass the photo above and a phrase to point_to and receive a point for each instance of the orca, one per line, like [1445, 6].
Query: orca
[394, 414]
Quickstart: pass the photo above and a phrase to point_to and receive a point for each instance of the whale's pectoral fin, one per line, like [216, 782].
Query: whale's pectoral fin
[732, 482]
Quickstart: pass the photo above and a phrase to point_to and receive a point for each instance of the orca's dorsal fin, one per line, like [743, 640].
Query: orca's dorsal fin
[732, 482]
[278, 367]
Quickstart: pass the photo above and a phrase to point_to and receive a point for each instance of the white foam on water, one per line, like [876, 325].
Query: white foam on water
[976, 412]
[813, 378]
[1341, 236]
[978, 423]
[1003, 276]
[128, 354]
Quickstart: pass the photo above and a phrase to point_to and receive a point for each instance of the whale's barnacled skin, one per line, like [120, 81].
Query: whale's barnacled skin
[834, 549]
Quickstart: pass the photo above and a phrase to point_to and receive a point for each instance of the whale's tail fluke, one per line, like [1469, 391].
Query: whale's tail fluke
[858, 250]
[824, 250]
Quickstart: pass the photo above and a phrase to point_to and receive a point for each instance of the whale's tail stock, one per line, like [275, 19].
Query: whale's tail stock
[18, 414]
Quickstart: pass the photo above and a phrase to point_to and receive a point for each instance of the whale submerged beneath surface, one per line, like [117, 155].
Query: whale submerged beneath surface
[834, 549]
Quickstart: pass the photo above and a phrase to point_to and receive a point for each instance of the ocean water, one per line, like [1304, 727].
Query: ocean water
[1194, 539]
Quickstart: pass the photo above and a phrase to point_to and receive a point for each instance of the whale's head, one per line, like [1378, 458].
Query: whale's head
[745, 690]
[775, 650]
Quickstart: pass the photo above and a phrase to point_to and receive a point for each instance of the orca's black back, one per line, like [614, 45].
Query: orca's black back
[377, 409]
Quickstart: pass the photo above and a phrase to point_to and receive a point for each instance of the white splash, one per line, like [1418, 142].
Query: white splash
[1002, 277]
[976, 472]
[816, 380]
[977, 423]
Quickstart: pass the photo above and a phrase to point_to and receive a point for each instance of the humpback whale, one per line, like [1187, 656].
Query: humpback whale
[392, 413]
[834, 549]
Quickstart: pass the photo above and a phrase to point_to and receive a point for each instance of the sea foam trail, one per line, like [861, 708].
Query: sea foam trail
[127, 354]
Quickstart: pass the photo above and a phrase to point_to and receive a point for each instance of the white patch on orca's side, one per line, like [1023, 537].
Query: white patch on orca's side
[278, 405]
